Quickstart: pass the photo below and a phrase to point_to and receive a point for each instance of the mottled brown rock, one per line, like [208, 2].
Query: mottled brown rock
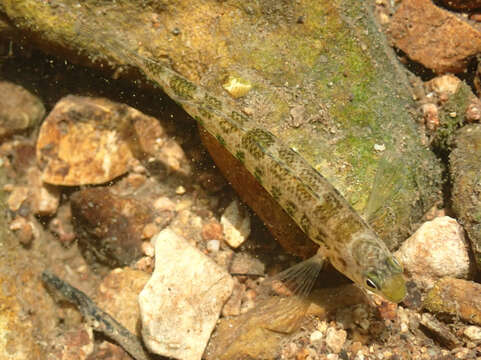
[456, 297]
[82, 141]
[109, 226]
[465, 5]
[433, 36]
[19, 109]
[465, 166]
[440, 331]
[92, 141]
[117, 294]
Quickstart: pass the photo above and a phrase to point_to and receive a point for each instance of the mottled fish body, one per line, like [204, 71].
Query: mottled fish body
[312, 202]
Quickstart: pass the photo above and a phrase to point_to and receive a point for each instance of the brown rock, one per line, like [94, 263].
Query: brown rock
[76, 344]
[108, 226]
[19, 109]
[456, 297]
[82, 142]
[433, 36]
[23, 230]
[212, 230]
[109, 351]
[117, 294]
[465, 5]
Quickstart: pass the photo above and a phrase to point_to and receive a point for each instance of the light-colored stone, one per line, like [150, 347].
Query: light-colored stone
[335, 339]
[473, 333]
[182, 301]
[437, 249]
[237, 226]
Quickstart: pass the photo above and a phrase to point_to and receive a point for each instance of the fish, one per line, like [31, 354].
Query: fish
[343, 236]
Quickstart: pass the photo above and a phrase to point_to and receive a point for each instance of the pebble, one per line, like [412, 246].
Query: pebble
[431, 116]
[335, 339]
[244, 263]
[316, 337]
[237, 226]
[473, 111]
[23, 230]
[473, 333]
[164, 204]
[213, 246]
[445, 84]
[438, 248]
[19, 109]
[182, 301]
[212, 230]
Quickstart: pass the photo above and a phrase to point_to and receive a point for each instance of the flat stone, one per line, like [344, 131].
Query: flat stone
[456, 297]
[19, 109]
[437, 249]
[94, 140]
[434, 37]
[82, 142]
[182, 301]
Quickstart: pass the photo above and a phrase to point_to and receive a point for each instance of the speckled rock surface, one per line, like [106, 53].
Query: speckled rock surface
[456, 297]
[432, 36]
[465, 161]
[117, 294]
[19, 109]
[437, 249]
[118, 241]
[182, 301]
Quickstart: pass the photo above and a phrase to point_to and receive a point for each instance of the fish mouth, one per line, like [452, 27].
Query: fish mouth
[394, 288]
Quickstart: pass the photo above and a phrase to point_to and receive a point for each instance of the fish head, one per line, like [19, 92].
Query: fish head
[387, 280]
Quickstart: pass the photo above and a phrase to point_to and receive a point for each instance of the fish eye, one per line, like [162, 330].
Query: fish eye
[371, 284]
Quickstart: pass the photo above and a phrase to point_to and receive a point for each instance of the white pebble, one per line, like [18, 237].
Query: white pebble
[213, 245]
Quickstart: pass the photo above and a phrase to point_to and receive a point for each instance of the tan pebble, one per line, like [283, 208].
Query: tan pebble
[18, 195]
[180, 190]
[444, 84]
[212, 230]
[164, 204]
[431, 116]
[473, 333]
[23, 230]
[302, 354]
[473, 112]
[148, 249]
[145, 264]
[316, 336]
[453, 114]
[335, 339]
[149, 230]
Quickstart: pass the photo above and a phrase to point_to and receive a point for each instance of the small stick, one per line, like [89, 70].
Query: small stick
[97, 318]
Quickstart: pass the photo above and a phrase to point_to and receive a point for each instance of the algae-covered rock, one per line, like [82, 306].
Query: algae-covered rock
[323, 79]
[465, 161]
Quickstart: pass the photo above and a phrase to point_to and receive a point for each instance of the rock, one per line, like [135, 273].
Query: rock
[237, 226]
[61, 225]
[473, 333]
[464, 5]
[431, 116]
[456, 297]
[82, 142]
[213, 246]
[212, 230]
[245, 264]
[444, 85]
[473, 111]
[109, 226]
[18, 194]
[437, 249]
[77, 344]
[117, 294]
[92, 141]
[23, 230]
[434, 37]
[465, 166]
[45, 198]
[440, 331]
[233, 305]
[335, 339]
[19, 109]
[182, 301]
